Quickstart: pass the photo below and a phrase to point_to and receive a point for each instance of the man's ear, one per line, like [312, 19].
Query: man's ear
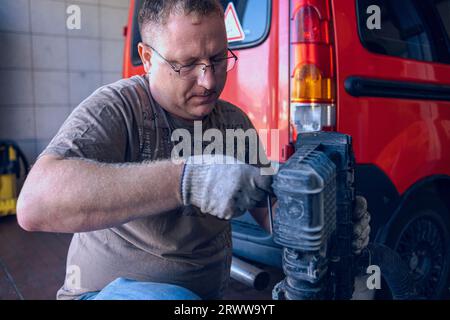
[146, 56]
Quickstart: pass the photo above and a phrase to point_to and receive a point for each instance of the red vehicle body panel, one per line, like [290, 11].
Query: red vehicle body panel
[407, 139]
[128, 69]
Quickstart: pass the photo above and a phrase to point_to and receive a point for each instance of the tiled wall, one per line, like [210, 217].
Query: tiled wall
[46, 70]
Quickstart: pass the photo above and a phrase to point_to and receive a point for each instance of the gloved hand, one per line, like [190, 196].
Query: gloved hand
[361, 227]
[222, 186]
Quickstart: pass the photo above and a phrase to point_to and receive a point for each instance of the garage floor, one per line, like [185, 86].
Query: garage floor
[32, 265]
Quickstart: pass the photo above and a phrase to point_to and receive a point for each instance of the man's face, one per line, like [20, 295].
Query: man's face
[184, 40]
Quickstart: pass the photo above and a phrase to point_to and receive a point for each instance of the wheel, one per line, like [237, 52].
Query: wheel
[421, 236]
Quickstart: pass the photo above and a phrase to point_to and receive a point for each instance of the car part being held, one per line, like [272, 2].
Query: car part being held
[313, 223]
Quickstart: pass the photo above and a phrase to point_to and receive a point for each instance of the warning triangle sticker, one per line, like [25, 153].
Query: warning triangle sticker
[233, 25]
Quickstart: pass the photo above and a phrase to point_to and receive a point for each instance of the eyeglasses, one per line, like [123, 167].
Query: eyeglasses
[219, 66]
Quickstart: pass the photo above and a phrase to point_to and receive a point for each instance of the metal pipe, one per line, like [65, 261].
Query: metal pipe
[249, 275]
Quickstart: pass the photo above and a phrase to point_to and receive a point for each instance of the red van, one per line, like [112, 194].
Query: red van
[378, 70]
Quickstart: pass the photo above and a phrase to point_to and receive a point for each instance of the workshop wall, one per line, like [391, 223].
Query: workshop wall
[46, 70]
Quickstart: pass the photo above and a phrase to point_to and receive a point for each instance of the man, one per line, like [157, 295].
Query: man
[141, 220]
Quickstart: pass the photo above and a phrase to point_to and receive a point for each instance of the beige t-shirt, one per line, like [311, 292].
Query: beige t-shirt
[121, 123]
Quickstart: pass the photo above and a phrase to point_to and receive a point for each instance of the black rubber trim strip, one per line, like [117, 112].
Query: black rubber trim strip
[369, 87]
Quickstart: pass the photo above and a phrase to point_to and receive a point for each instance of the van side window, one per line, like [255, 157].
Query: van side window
[410, 29]
[443, 9]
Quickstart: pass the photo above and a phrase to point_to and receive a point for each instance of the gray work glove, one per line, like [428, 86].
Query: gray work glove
[361, 227]
[222, 186]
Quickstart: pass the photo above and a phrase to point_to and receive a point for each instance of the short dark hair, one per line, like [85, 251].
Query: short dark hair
[156, 12]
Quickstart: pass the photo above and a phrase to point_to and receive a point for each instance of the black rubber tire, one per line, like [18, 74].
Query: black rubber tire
[421, 235]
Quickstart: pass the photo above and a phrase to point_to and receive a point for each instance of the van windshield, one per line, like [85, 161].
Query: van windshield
[253, 15]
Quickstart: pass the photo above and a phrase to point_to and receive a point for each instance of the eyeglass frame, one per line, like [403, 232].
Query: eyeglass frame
[178, 69]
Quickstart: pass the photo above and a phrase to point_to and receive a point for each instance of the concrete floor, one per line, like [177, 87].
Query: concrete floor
[32, 266]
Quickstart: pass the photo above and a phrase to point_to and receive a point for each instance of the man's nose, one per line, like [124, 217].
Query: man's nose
[207, 79]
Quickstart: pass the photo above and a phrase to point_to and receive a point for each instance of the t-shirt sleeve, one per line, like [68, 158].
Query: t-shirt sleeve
[95, 130]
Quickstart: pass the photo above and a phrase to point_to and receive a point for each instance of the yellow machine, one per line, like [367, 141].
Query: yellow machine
[10, 170]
